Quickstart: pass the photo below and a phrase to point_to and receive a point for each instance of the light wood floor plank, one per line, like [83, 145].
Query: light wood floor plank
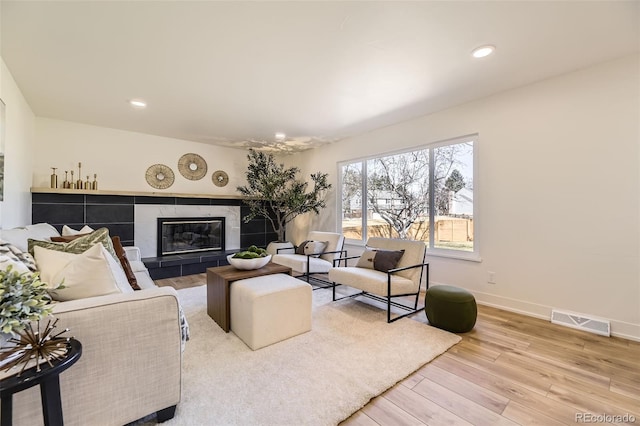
[385, 412]
[476, 393]
[459, 405]
[359, 419]
[510, 369]
[584, 403]
[551, 370]
[625, 389]
[514, 390]
[526, 416]
[422, 408]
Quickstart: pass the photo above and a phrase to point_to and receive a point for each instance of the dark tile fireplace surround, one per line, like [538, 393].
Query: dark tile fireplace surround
[116, 212]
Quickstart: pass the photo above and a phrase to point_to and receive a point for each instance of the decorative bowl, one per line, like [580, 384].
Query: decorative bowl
[255, 263]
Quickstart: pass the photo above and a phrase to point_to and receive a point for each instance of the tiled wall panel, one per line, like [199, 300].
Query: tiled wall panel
[116, 213]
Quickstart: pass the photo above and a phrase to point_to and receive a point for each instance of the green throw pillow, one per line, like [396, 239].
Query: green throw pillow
[79, 245]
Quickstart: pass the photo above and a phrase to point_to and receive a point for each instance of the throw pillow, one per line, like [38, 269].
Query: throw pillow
[67, 231]
[126, 266]
[9, 251]
[78, 245]
[7, 261]
[92, 273]
[300, 248]
[386, 259]
[315, 247]
[366, 259]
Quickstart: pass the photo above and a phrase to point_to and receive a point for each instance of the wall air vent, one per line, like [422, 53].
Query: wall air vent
[581, 322]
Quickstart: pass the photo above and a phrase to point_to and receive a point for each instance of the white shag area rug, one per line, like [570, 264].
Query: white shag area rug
[317, 378]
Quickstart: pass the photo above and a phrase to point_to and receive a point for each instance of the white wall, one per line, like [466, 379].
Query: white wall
[557, 192]
[121, 158]
[15, 209]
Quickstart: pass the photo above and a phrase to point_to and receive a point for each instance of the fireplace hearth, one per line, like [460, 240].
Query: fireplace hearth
[177, 235]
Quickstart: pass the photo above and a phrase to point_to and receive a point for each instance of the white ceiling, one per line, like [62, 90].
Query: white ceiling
[234, 73]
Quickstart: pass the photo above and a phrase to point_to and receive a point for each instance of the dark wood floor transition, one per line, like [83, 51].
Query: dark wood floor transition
[510, 370]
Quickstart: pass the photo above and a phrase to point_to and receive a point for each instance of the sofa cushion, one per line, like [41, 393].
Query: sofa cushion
[78, 245]
[298, 263]
[142, 277]
[371, 281]
[92, 273]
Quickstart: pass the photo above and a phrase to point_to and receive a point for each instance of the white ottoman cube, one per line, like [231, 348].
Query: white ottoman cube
[269, 309]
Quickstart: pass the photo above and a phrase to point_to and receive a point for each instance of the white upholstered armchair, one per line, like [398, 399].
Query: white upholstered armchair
[315, 255]
[388, 269]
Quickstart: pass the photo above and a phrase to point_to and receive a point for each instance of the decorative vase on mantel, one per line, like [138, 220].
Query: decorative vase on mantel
[282, 246]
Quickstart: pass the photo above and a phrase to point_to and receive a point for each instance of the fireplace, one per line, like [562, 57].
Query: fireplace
[178, 235]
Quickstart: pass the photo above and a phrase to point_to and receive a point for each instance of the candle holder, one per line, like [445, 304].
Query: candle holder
[54, 178]
[79, 183]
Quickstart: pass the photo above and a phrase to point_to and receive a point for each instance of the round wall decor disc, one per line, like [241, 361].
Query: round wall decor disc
[192, 166]
[159, 176]
[220, 178]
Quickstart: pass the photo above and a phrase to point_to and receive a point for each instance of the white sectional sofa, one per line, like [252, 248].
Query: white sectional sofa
[131, 351]
[44, 231]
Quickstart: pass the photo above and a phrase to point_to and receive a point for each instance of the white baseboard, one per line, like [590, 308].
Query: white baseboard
[618, 328]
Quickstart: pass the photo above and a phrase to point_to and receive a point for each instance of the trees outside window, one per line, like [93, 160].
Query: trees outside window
[423, 194]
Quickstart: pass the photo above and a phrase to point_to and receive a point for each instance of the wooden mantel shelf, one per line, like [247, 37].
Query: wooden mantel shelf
[130, 193]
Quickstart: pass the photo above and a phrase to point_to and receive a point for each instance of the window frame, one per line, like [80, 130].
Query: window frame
[431, 249]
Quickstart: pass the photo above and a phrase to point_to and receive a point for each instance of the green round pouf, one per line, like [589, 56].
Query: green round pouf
[450, 308]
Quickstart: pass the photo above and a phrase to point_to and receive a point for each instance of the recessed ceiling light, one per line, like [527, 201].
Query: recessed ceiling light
[482, 51]
[280, 136]
[138, 103]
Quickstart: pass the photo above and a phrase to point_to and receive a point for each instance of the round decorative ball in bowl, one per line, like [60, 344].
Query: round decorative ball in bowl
[254, 263]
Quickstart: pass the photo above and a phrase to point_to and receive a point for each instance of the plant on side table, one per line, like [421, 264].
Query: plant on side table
[23, 299]
[275, 192]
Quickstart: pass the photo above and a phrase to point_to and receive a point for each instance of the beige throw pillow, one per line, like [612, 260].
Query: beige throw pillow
[92, 273]
[366, 259]
[67, 231]
[315, 247]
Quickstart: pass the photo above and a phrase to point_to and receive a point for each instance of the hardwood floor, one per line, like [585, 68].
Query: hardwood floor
[511, 370]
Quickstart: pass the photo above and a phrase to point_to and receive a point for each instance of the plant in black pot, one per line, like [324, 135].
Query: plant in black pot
[275, 192]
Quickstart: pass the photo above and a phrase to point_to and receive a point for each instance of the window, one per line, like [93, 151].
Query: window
[422, 194]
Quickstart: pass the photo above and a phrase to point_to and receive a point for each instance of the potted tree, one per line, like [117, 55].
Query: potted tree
[275, 192]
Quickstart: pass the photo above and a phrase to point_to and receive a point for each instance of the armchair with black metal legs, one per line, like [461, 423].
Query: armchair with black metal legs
[389, 269]
[316, 255]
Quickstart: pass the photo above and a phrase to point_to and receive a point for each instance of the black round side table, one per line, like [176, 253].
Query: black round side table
[49, 381]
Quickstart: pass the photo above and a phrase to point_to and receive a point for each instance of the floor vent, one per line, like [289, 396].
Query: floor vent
[581, 322]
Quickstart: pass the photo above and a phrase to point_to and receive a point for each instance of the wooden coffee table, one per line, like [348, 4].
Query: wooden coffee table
[219, 281]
